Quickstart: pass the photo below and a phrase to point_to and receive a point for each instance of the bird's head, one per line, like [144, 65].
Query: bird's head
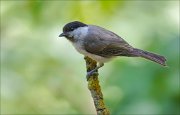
[73, 29]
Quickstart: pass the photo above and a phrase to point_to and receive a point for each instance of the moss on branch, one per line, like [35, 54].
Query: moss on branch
[95, 89]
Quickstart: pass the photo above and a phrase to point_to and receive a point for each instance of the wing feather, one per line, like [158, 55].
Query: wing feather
[105, 43]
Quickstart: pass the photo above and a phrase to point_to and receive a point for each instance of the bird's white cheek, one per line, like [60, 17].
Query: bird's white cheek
[80, 33]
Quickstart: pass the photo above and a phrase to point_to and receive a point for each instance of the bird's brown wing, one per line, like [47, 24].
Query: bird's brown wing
[105, 43]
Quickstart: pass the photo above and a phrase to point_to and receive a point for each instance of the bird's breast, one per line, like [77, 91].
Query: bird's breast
[80, 48]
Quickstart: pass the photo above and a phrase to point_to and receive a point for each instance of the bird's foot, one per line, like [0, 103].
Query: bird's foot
[91, 73]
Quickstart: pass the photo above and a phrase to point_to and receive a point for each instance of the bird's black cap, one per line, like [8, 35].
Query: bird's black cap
[73, 25]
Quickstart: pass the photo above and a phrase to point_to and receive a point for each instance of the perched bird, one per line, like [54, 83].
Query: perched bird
[101, 45]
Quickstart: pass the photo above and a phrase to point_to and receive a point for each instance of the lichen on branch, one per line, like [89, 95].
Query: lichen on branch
[95, 89]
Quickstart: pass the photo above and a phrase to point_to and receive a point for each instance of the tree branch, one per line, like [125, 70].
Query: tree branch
[95, 89]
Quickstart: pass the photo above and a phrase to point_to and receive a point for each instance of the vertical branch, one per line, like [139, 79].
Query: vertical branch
[95, 89]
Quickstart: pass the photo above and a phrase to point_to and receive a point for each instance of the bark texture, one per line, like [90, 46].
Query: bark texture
[95, 89]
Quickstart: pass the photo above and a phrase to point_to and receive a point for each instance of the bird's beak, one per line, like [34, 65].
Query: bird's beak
[62, 35]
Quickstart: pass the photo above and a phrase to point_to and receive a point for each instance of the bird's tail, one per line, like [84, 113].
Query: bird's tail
[150, 56]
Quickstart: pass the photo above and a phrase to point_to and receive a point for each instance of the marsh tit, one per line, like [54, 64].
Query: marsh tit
[102, 45]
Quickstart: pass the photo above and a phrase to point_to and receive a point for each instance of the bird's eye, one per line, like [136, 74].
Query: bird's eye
[72, 28]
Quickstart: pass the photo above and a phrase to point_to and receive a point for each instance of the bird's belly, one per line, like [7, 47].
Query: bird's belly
[97, 58]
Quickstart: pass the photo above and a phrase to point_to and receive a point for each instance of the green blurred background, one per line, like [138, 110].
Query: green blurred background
[43, 74]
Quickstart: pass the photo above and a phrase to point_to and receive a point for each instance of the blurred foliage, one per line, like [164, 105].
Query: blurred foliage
[43, 74]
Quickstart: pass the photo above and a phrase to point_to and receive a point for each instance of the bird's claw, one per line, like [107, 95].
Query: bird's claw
[91, 73]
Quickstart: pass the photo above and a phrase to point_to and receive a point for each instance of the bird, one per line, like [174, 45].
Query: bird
[102, 45]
